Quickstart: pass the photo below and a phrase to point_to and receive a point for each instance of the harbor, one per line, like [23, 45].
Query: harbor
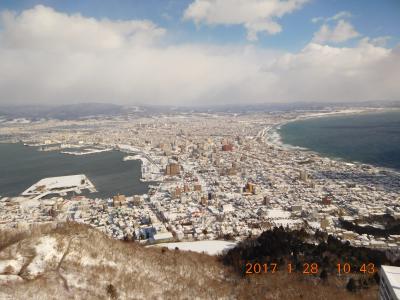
[106, 170]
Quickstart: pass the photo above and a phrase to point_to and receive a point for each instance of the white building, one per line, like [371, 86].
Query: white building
[389, 288]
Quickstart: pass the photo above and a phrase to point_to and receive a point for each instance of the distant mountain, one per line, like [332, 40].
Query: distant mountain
[90, 110]
[62, 112]
[267, 107]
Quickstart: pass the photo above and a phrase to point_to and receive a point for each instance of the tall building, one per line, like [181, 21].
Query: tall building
[389, 287]
[172, 169]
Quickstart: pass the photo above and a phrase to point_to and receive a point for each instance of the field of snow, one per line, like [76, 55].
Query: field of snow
[278, 214]
[209, 247]
[46, 253]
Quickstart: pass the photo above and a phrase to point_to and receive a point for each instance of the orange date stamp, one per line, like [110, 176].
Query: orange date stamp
[308, 268]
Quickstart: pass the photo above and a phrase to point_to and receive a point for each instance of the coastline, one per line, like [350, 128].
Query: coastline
[275, 139]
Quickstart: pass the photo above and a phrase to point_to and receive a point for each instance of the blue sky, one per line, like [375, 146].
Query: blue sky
[370, 18]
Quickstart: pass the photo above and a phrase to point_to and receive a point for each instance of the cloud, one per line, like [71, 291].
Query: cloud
[381, 40]
[44, 28]
[317, 19]
[52, 57]
[338, 16]
[342, 32]
[326, 73]
[255, 15]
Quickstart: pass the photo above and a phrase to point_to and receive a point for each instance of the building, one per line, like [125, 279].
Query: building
[197, 187]
[297, 207]
[118, 200]
[389, 287]
[250, 188]
[172, 169]
[176, 193]
[325, 223]
[327, 200]
[227, 147]
[204, 200]
[303, 176]
[226, 208]
[137, 200]
[161, 237]
[186, 188]
[231, 171]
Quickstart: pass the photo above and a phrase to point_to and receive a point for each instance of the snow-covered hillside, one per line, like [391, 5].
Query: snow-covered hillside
[75, 261]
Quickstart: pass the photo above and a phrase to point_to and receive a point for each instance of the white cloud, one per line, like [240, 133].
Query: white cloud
[44, 28]
[338, 16]
[343, 31]
[51, 57]
[317, 19]
[326, 73]
[255, 15]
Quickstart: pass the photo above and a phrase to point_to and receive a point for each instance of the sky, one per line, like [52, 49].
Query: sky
[194, 52]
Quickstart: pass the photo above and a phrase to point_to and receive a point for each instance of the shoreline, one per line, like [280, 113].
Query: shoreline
[274, 137]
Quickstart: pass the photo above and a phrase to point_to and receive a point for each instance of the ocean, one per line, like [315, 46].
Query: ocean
[372, 138]
[22, 166]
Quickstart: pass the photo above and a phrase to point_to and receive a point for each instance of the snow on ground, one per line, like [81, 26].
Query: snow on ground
[27, 205]
[129, 148]
[7, 279]
[314, 225]
[46, 253]
[209, 247]
[93, 262]
[286, 222]
[16, 264]
[278, 214]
